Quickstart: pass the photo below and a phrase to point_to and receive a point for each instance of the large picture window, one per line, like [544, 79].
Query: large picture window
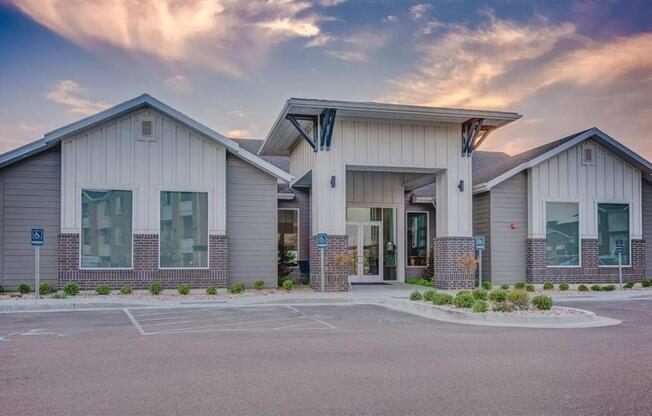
[106, 231]
[613, 225]
[417, 238]
[563, 234]
[288, 233]
[184, 230]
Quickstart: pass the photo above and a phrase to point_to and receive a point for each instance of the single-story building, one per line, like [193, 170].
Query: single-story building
[141, 192]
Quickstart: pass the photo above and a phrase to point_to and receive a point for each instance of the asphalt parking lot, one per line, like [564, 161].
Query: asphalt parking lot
[314, 360]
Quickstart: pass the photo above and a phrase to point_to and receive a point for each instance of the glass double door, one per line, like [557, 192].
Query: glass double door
[365, 242]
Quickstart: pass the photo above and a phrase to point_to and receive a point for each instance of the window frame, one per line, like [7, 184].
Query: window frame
[579, 231]
[208, 228]
[407, 265]
[298, 210]
[81, 220]
[629, 231]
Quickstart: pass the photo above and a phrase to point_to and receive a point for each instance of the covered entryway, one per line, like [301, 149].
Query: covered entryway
[365, 242]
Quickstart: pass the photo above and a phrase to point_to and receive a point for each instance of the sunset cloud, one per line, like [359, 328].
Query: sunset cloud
[69, 93]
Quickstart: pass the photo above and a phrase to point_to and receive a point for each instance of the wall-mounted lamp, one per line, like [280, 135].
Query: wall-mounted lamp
[332, 181]
[460, 186]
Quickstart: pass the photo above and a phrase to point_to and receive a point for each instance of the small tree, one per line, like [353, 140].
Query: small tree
[284, 258]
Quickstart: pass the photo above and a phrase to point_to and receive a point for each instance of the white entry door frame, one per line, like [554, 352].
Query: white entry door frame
[365, 246]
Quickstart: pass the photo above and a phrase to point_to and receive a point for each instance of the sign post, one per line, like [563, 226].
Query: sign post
[480, 246]
[37, 241]
[620, 247]
[322, 242]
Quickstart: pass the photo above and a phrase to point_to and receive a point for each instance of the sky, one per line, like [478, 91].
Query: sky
[231, 64]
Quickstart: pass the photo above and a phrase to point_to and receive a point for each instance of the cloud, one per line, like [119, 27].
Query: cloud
[178, 83]
[238, 133]
[228, 36]
[390, 18]
[68, 92]
[547, 71]
[418, 11]
[319, 41]
[357, 47]
[330, 3]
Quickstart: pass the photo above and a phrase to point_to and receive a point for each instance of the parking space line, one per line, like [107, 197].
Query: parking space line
[133, 321]
[311, 317]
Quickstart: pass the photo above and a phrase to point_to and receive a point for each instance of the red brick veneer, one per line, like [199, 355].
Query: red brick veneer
[446, 254]
[336, 269]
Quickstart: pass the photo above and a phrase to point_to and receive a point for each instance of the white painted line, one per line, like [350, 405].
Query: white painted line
[311, 317]
[133, 321]
[235, 323]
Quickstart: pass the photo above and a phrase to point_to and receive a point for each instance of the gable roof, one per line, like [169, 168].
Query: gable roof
[142, 101]
[495, 172]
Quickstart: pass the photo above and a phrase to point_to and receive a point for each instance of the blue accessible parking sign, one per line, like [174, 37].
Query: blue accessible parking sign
[37, 236]
[322, 240]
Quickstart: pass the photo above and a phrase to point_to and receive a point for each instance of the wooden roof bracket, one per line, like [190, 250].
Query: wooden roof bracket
[473, 134]
[294, 119]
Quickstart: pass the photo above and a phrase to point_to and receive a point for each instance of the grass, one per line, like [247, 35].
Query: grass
[419, 282]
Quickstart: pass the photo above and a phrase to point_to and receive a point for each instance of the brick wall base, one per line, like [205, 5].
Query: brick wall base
[145, 266]
[446, 255]
[589, 272]
[336, 267]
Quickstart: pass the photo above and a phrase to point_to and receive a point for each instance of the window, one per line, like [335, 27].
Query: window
[613, 225]
[562, 234]
[288, 233]
[147, 127]
[106, 233]
[184, 230]
[587, 156]
[417, 238]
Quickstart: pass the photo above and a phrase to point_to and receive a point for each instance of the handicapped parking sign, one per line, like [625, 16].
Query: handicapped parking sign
[322, 240]
[620, 246]
[37, 236]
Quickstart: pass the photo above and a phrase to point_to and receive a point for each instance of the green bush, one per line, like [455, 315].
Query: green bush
[443, 299]
[288, 285]
[646, 283]
[416, 295]
[541, 302]
[583, 288]
[240, 287]
[24, 288]
[486, 285]
[2, 289]
[420, 282]
[71, 289]
[464, 300]
[305, 280]
[519, 285]
[628, 285]
[529, 288]
[102, 290]
[498, 295]
[126, 290]
[480, 306]
[503, 307]
[183, 289]
[211, 290]
[480, 294]
[45, 289]
[519, 298]
[608, 288]
[155, 288]
[504, 286]
[428, 294]
[259, 285]
[548, 286]
[596, 288]
[564, 286]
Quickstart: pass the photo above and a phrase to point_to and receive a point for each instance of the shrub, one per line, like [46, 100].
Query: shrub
[519, 285]
[443, 299]
[504, 286]
[486, 286]
[420, 282]
[480, 306]
[24, 288]
[543, 303]
[45, 289]
[416, 295]
[126, 290]
[462, 292]
[155, 288]
[240, 287]
[259, 285]
[183, 289]
[608, 288]
[288, 285]
[480, 294]
[211, 290]
[629, 285]
[564, 286]
[503, 307]
[71, 289]
[464, 300]
[596, 288]
[646, 283]
[519, 298]
[498, 295]
[428, 294]
[583, 288]
[2, 289]
[305, 280]
[102, 290]
[59, 295]
[529, 288]
[548, 286]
